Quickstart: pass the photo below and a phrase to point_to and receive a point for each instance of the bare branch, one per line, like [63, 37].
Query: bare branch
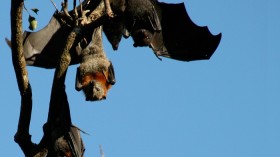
[96, 14]
[65, 9]
[61, 70]
[75, 9]
[16, 43]
[81, 5]
[22, 137]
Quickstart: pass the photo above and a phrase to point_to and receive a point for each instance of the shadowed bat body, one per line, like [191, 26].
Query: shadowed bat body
[166, 28]
[61, 137]
[95, 75]
[114, 28]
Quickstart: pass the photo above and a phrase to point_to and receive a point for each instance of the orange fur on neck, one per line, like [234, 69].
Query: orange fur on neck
[98, 77]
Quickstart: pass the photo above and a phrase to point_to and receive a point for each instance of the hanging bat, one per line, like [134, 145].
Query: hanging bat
[95, 75]
[165, 28]
[114, 28]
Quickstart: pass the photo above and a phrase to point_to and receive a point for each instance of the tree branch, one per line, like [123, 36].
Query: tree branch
[22, 137]
[61, 70]
[16, 43]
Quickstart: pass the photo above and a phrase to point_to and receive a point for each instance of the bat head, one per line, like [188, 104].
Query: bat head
[142, 37]
[95, 82]
[95, 86]
[114, 30]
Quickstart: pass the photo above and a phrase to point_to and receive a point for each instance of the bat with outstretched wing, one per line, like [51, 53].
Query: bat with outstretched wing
[166, 28]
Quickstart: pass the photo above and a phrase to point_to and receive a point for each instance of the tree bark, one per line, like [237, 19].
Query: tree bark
[22, 137]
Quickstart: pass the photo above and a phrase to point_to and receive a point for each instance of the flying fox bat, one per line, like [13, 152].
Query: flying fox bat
[95, 75]
[114, 28]
[166, 28]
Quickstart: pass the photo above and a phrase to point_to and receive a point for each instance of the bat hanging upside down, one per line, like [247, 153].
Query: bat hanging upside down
[95, 75]
[166, 28]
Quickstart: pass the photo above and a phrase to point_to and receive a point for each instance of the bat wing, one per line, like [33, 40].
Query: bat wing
[43, 48]
[40, 47]
[75, 142]
[180, 38]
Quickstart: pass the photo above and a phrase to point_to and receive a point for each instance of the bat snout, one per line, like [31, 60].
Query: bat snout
[95, 91]
[115, 47]
[142, 37]
[96, 99]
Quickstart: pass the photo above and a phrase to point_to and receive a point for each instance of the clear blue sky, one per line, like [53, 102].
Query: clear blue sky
[228, 106]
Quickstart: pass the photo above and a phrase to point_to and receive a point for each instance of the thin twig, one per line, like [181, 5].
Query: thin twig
[65, 9]
[54, 5]
[81, 5]
[75, 9]
[26, 9]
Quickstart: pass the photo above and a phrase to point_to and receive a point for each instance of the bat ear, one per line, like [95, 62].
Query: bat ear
[111, 74]
[78, 85]
[78, 49]
[126, 33]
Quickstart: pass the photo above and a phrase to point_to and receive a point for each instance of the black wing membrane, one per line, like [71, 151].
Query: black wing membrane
[75, 142]
[180, 38]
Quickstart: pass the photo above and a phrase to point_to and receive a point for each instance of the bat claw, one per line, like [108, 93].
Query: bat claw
[108, 9]
[158, 56]
[110, 14]
[156, 52]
